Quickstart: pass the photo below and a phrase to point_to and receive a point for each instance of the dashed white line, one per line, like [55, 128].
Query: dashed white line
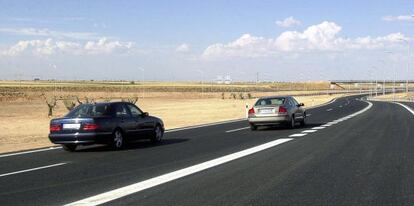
[31, 151]
[319, 127]
[328, 110]
[235, 130]
[298, 135]
[309, 131]
[308, 115]
[203, 125]
[33, 169]
[139, 186]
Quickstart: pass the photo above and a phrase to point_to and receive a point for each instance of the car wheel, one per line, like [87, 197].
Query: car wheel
[118, 140]
[303, 122]
[253, 127]
[69, 147]
[157, 135]
[292, 122]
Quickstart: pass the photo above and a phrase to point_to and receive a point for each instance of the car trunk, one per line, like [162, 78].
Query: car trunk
[70, 125]
[265, 111]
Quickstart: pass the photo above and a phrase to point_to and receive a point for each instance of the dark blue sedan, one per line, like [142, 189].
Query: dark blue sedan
[112, 123]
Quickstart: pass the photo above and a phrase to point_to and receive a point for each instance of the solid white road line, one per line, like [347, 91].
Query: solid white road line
[309, 131]
[328, 110]
[33, 169]
[298, 135]
[406, 107]
[235, 130]
[31, 151]
[318, 128]
[139, 186]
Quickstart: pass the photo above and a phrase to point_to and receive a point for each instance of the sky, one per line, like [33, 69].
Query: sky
[187, 40]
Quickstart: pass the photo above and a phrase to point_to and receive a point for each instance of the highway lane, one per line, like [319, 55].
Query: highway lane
[97, 169]
[367, 160]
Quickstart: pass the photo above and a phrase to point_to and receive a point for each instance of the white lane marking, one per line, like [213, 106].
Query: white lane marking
[203, 125]
[309, 131]
[329, 109]
[139, 186]
[33, 169]
[406, 107]
[298, 135]
[340, 106]
[319, 127]
[308, 115]
[167, 131]
[31, 151]
[235, 130]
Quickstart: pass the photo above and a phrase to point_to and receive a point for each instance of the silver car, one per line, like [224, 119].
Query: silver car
[276, 110]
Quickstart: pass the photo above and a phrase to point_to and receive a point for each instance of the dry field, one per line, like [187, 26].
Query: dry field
[398, 97]
[24, 122]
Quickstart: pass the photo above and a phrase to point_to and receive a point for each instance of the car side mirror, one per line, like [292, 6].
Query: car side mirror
[145, 114]
[301, 105]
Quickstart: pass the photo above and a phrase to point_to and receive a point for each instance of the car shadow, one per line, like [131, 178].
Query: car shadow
[284, 127]
[132, 145]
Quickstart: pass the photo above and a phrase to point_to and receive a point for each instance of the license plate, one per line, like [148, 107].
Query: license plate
[71, 126]
[266, 111]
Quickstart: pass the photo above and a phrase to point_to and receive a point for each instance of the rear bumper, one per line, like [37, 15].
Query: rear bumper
[81, 138]
[268, 120]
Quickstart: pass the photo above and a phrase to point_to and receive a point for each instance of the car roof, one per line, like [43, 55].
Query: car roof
[279, 96]
[104, 103]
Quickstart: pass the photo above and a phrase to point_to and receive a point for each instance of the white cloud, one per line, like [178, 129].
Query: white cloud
[51, 47]
[49, 33]
[320, 37]
[406, 18]
[183, 48]
[288, 22]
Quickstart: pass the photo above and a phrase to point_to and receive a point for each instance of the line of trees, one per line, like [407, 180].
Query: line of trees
[70, 102]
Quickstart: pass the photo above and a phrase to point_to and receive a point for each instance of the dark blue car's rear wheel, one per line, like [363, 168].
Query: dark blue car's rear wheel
[118, 140]
[69, 147]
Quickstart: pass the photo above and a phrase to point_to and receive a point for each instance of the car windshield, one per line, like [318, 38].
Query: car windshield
[90, 110]
[270, 101]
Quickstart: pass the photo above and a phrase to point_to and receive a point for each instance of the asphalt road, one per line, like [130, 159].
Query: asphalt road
[364, 160]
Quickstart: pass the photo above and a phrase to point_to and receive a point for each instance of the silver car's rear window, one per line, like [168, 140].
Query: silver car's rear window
[270, 101]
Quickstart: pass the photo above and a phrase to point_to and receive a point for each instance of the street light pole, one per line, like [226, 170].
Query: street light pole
[408, 63]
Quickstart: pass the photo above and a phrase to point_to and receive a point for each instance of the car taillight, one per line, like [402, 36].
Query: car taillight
[90, 126]
[282, 110]
[55, 128]
[251, 111]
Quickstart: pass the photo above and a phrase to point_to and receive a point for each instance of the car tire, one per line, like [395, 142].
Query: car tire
[157, 135]
[118, 140]
[303, 122]
[69, 147]
[253, 127]
[292, 122]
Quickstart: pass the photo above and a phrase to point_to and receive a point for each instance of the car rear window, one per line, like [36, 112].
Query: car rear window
[270, 101]
[90, 110]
